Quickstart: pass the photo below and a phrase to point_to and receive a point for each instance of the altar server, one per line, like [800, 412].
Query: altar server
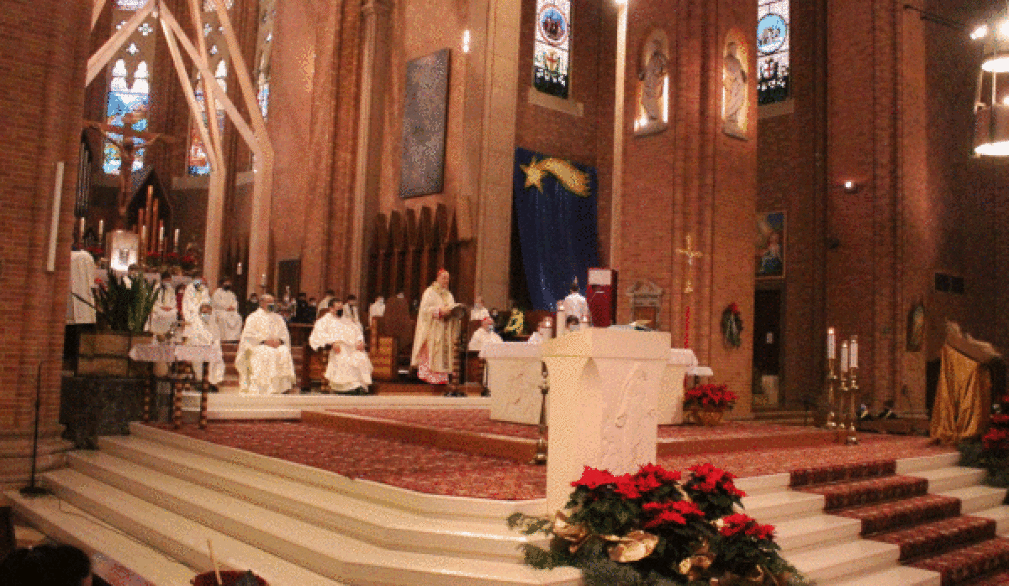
[229, 321]
[196, 294]
[264, 362]
[164, 313]
[205, 332]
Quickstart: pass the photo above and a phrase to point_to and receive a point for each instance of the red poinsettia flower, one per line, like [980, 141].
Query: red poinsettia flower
[593, 478]
[711, 479]
[627, 487]
[676, 513]
[740, 524]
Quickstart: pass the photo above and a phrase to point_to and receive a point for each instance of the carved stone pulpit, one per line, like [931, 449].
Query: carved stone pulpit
[514, 376]
[604, 390]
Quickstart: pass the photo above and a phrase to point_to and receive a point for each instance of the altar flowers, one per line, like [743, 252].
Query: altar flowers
[658, 527]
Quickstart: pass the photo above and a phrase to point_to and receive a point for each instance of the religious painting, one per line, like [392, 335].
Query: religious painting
[915, 327]
[425, 115]
[735, 86]
[552, 47]
[773, 44]
[770, 245]
[652, 115]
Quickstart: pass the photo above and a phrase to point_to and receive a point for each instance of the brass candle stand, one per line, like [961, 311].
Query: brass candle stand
[852, 438]
[540, 458]
[831, 384]
[842, 400]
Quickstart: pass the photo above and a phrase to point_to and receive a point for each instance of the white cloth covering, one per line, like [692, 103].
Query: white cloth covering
[81, 306]
[348, 367]
[229, 321]
[576, 305]
[263, 370]
[481, 338]
[205, 333]
[165, 311]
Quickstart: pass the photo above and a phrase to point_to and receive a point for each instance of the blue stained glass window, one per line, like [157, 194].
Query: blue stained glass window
[773, 48]
[198, 162]
[126, 98]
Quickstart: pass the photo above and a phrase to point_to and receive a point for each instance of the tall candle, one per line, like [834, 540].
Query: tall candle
[140, 219]
[161, 235]
[844, 356]
[262, 280]
[143, 239]
[238, 269]
[176, 240]
[831, 343]
[854, 352]
[101, 233]
[82, 228]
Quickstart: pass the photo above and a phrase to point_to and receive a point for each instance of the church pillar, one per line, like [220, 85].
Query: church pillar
[43, 103]
[619, 109]
[371, 118]
[500, 73]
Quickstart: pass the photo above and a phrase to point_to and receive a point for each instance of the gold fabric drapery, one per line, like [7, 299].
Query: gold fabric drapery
[962, 399]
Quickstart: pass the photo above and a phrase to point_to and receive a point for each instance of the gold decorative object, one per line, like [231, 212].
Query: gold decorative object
[832, 381]
[691, 254]
[541, 443]
[852, 438]
[708, 417]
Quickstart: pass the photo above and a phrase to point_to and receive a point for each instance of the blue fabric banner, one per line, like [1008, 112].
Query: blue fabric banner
[555, 211]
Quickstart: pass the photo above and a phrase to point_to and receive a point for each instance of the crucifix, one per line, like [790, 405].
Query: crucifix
[127, 146]
[688, 287]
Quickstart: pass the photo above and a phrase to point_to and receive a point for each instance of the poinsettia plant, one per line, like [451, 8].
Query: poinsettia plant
[656, 528]
[991, 451]
[709, 396]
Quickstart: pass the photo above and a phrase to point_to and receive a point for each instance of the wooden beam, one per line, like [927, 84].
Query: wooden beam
[103, 55]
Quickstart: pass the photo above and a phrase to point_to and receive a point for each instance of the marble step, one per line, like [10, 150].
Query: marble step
[844, 561]
[974, 499]
[370, 522]
[315, 549]
[898, 576]
[950, 477]
[815, 531]
[776, 507]
[67, 524]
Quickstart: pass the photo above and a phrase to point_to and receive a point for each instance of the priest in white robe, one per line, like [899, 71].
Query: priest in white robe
[576, 305]
[349, 368]
[204, 332]
[264, 362]
[165, 310]
[229, 321]
[433, 339]
[81, 307]
[484, 335]
[196, 294]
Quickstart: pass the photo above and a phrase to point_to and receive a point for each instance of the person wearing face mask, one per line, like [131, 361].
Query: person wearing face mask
[542, 333]
[164, 312]
[264, 362]
[204, 332]
[226, 312]
[349, 368]
[196, 294]
[249, 305]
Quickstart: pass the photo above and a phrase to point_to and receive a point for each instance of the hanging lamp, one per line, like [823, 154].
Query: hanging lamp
[991, 100]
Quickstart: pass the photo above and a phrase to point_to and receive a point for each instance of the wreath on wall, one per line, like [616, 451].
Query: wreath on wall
[732, 326]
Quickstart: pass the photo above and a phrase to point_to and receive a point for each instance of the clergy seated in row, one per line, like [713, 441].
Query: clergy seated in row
[349, 368]
[205, 332]
[435, 333]
[229, 321]
[264, 362]
[164, 312]
[484, 335]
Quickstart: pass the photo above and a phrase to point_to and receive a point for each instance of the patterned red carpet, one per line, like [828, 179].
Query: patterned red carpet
[444, 472]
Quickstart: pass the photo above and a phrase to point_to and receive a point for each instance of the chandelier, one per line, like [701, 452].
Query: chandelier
[991, 100]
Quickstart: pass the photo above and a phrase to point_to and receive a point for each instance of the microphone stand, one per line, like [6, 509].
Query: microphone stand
[32, 490]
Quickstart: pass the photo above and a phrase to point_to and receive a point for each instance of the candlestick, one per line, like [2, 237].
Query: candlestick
[262, 280]
[176, 240]
[853, 356]
[140, 219]
[161, 236]
[142, 253]
[844, 356]
[831, 343]
[238, 269]
[82, 230]
[101, 233]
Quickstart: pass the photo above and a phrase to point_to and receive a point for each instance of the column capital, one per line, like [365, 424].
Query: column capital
[373, 7]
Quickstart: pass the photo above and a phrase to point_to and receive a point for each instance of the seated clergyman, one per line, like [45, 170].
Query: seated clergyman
[264, 360]
[349, 368]
[484, 335]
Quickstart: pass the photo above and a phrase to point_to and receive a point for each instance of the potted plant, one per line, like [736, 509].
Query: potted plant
[123, 305]
[708, 402]
[658, 528]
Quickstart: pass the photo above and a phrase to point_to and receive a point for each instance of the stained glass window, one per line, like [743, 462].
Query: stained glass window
[129, 88]
[199, 163]
[773, 43]
[264, 49]
[552, 47]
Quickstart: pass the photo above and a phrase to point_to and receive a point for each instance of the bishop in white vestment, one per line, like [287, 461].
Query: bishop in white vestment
[229, 321]
[264, 362]
[349, 368]
[435, 333]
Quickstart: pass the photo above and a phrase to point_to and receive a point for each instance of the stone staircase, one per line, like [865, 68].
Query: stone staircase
[151, 501]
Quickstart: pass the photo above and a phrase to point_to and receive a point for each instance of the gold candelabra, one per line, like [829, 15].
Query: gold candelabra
[852, 438]
[831, 385]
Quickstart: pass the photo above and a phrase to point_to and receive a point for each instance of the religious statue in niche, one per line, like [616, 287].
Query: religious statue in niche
[653, 85]
[735, 84]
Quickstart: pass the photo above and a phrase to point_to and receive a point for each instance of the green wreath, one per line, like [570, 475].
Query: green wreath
[732, 326]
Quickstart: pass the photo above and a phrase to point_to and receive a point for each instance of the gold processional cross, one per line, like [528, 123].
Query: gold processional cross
[688, 287]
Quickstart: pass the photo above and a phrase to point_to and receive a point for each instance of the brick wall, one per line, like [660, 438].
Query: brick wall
[41, 94]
